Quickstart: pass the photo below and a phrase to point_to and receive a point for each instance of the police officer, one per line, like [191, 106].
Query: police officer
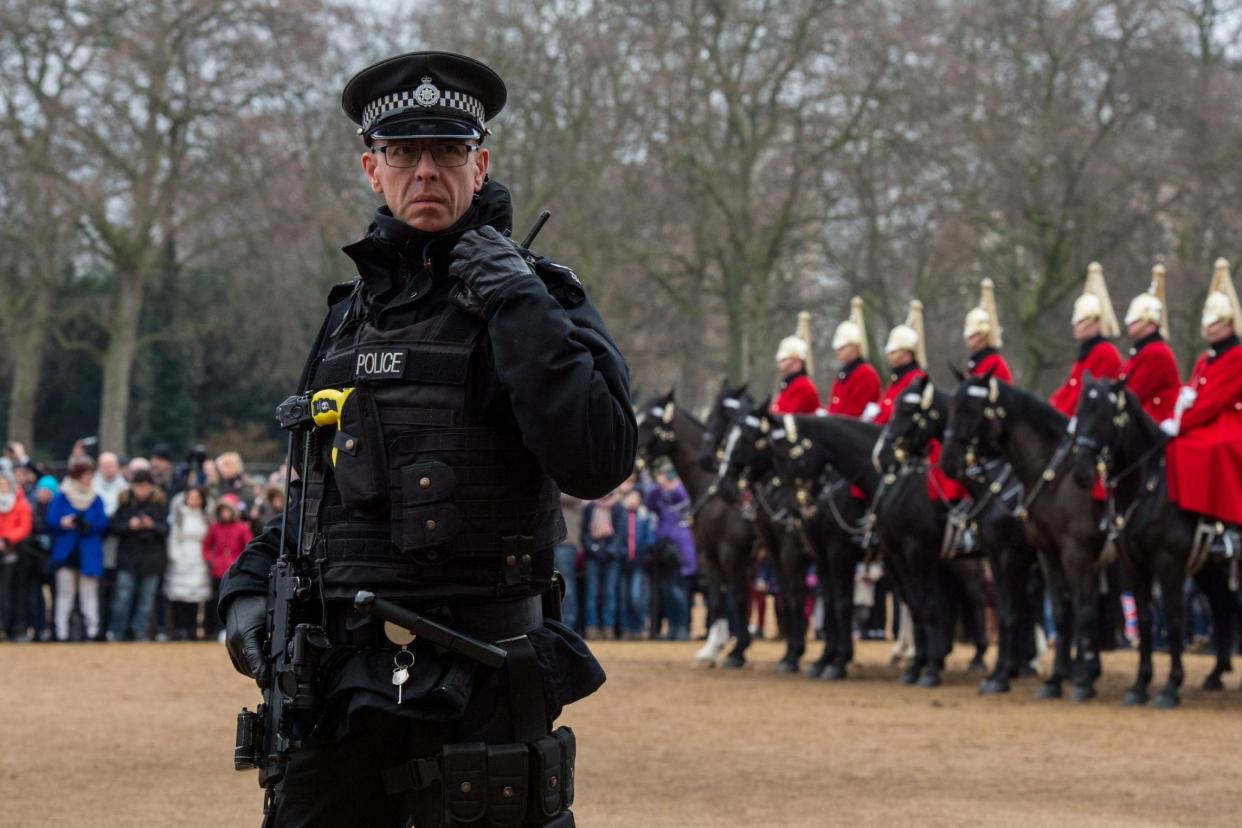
[474, 381]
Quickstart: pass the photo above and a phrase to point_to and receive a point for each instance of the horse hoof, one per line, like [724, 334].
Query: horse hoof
[908, 677]
[929, 680]
[1025, 671]
[1082, 694]
[990, 687]
[1165, 701]
[785, 667]
[977, 665]
[1133, 698]
[1048, 690]
[815, 670]
[1213, 683]
[833, 672]
[734, 662]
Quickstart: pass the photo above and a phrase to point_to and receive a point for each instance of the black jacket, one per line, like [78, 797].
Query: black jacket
[141, 551]
[550, 369]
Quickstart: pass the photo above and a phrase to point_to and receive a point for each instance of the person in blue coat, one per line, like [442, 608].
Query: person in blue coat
[77, 520]
[637, 537]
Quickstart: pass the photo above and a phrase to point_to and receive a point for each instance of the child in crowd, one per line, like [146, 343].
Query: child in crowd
[223, 544]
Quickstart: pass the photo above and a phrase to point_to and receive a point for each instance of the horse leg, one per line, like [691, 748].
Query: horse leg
[934, 617]
[1172, 583]
[840, 577]
[823, 563]
[718, 630]
[1062, 618]
[1084, 578]
[974, 609]
[793, 591]
[738, 575]
[1006, 623]
[1141, 587]
[1216, 589]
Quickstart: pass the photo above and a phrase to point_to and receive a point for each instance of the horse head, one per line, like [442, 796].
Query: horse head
[918, 418]
[655, 428]
[730, 402]
[1104, 410]
[975, 422]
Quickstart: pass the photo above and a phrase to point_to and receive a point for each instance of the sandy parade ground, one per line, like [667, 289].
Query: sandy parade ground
[142, 734]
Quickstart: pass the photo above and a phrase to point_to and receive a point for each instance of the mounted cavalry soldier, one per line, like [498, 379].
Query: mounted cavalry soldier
[798, 394]
[857, 383]
[1205, 458]
[1095, 322]
[470, 382]
[982, 334]
[906, 355]
[1151, 371]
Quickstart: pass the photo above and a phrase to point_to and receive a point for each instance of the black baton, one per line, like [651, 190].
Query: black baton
[481, 651]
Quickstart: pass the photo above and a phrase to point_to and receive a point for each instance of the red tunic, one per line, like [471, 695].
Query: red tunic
[1205, 460]
[856, 385]
[798, 396]
[1097, 356]
[989, 359]
[1151, 373]
[939, 485]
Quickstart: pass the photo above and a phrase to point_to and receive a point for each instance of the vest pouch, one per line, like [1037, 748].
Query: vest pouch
[424, 516]
[464, 780]
[359, 458]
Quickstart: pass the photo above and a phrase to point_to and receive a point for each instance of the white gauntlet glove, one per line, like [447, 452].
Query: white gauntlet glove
[1171, 427]
[870, 412]
[1185, 398]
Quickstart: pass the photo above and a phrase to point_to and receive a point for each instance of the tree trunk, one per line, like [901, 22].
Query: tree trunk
[118, 362]
[29, 344]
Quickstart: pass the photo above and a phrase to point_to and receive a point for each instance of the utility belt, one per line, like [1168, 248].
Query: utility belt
[530, 783]
[493, 621]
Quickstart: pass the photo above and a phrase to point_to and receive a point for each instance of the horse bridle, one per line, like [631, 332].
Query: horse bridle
[922, 419]
[709, 436]
[663, 429]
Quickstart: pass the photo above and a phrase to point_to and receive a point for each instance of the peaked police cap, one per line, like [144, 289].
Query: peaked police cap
[424, 95]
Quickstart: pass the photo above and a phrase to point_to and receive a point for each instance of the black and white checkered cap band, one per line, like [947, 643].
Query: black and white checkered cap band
[378, 108]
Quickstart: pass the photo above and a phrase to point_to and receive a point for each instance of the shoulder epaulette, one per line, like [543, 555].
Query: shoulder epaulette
[564, 285]
[342, 290]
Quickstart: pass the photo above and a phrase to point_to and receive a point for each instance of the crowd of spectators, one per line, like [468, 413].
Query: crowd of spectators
[629, 561]
[123, 549]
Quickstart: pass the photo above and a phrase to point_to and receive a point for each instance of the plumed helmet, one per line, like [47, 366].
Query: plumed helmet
[909, 336]
[984, 319]
[1094, 303]
[1222, 300]
[804, 333]
[792, 346]
[1150, 306]
[852, 331]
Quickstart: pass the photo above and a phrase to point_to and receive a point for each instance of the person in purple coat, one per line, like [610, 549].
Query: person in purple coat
[670, 503]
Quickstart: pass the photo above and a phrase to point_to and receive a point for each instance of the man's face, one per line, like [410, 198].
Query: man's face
[1219, 330]
[109, 466]
[897, 359]
[976, 342]
[160, 466]
[1139, 329]
[426, 196]
[1086, 329]
[788, 365]
[847, 354]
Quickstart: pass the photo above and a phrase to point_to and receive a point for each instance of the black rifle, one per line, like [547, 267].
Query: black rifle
[268, 737]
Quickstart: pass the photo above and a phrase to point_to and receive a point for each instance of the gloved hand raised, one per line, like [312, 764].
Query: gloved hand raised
[245, 631]
[1186, 398]
[486, 262]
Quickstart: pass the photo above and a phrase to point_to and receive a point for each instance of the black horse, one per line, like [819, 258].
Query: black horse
[919, 418]
[1156, 536]
[907, 524]
[773, 514]
[723, 538]
[989, 418]
[830, 527]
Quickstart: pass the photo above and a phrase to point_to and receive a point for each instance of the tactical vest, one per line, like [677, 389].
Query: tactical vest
[409, 494]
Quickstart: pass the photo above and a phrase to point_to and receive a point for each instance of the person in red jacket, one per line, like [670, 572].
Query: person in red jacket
[906, 355]
[1093, 320]
[857, 383]
[1151, 371]
[16, 523]
[223, 544]
[1204, 461]
[798, 394]
[982, 334]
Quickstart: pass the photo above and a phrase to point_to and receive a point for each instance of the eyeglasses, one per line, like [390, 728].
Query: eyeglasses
[408, 155]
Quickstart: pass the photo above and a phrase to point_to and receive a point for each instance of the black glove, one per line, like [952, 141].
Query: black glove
[245, 631]
[486, 262]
